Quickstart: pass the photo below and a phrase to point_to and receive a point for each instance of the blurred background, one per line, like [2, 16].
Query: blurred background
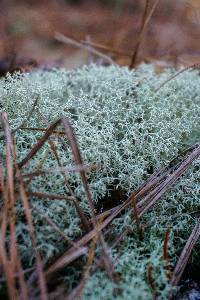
[112, 27]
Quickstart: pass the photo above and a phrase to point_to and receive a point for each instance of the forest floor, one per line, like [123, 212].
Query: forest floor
[32, 34]
[28, 29]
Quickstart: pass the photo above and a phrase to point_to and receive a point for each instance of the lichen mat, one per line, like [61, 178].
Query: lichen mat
[125, 131]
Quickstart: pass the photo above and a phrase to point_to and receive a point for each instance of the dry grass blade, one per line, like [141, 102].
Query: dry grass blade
[76, 293]
[7, 269]
[5, 263]
[35, 149]
[28, 116]
[24, 198]
[193, 66]
[151, 281]
[79, 210]
[166, 252]
[76, 153]
[61, 169]
[49, 196]
[67, 186]
[69, 169]
[23, 291]
[10, 187]
[51, 223]
[39, 144]
[11, 262]
[145, 21]
[159, 184]
[160, 181]
[106, 48]
[134, 56]
[63, 260]
[153, 186]
[25, 119]
[165, 244]
[64, 39]
[140, 201]
[42, 130]
[9, 160]
[78, 159]
[3, 257]
[170, 179]
[22, 283]
[183, 259]
[72, 255]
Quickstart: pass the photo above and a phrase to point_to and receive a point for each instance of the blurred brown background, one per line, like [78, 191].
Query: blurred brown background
[27, 28]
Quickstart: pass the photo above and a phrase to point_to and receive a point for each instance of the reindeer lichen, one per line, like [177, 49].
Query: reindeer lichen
[125, 130]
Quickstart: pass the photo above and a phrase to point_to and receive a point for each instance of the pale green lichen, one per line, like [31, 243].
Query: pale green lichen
[127, 128]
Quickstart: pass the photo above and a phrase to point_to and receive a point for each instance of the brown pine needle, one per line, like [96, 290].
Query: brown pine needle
[193, 66]
[166, 252]
[107, 48]
[154, 188]
[137, 219]
[66, 40]
[145, 21]
[42, 130]
[151, 281]
[185, 254]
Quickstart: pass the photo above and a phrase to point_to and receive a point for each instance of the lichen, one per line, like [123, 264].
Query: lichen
[126, 129]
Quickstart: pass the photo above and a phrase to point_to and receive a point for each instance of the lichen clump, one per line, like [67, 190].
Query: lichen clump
[127, 130]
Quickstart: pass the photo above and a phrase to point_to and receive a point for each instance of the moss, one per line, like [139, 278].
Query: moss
[128, 129]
